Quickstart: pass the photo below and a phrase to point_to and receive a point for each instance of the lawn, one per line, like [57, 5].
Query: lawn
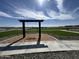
[54, 32]
[8, 34]
[50, 31]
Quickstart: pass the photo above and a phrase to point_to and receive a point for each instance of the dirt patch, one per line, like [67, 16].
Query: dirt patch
[28, 38]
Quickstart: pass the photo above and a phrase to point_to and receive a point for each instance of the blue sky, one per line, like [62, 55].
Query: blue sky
[54, 12]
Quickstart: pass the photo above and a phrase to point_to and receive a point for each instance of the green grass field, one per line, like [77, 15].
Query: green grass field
[54, 32]
[8, 34]
[50, 31]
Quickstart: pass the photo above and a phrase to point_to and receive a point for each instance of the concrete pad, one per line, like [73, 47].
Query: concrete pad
[53, 45]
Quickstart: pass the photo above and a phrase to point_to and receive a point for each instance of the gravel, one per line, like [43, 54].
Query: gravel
[46, 55]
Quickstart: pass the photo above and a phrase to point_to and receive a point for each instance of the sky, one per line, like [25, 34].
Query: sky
[53, 12]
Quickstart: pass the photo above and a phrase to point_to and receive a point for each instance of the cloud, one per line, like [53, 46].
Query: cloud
[4, 14]
[28, 14]
[75, 10]
[60, 5]
[60, 16]
[24, 12]
[75, 13]
[40, 2]
[31, 14]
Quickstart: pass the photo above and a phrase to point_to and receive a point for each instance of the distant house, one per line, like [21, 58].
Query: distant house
[1, 29]
[6, 28]
[72, 28]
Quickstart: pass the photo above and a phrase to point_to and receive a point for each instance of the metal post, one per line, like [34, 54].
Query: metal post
[23, 23]
[39, 39]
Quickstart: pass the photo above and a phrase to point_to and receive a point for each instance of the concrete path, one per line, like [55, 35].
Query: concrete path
[70, 31]
[54, 45]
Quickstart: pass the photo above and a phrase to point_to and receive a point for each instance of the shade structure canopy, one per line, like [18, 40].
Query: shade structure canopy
[23, 27]
[31, 20]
